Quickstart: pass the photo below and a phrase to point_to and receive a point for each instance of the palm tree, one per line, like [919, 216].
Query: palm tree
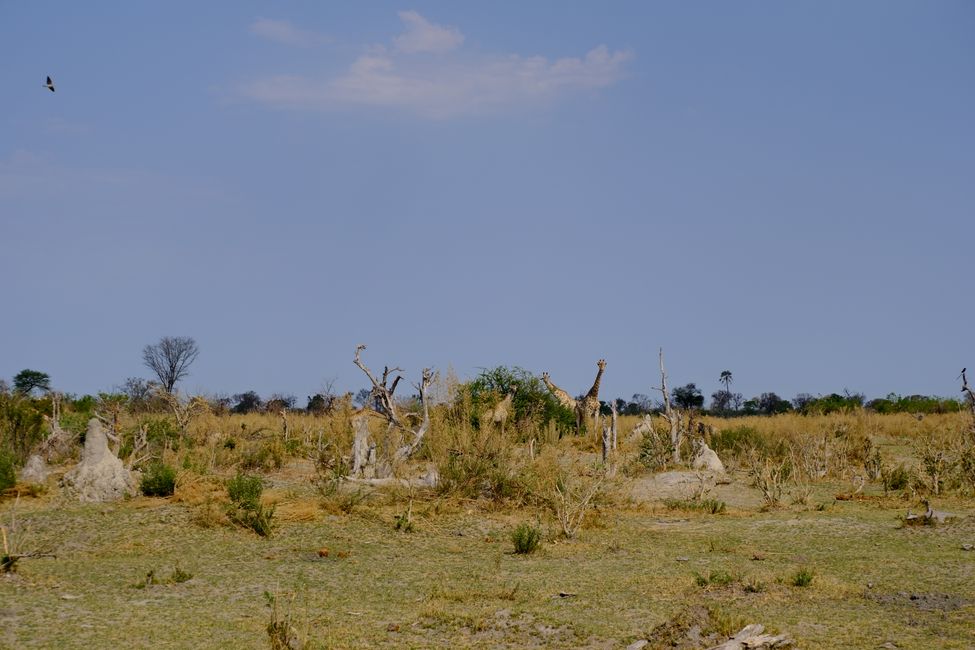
[726, 379]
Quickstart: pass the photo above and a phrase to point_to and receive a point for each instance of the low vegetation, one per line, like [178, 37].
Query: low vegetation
[805, 531]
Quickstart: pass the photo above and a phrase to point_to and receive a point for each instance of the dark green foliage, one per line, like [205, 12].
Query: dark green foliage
[249, 402]
[766, 404]
[159, 480]
[832, 403]
[317, 404]
[802, 578]
[526, 538]
[27, 381]
[21, 424]
[246, 509]
[687, 397]
[925, 404]
[8, 476]
[714, 578]
[532, 402]
[245, 491]
[160, 430]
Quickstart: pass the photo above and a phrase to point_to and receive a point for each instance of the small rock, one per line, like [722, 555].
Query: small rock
[967, 547]
[683, 559]
[69, 597]
[637, 645]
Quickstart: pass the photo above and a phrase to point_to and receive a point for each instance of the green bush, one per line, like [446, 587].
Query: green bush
[245, 491]
[802, 578]
[532, 401]
[526, 538]
[246, 509]
[21, 424]
[8, 476]
[159, 480]
[714, 578]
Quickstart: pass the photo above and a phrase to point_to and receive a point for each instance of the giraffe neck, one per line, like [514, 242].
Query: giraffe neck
[594, 391]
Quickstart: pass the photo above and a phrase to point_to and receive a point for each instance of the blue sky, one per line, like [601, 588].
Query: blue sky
[784, 190]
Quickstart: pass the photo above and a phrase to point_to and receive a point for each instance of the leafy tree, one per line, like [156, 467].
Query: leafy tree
[833, 403]
[249, 402]
[724, 401]
[317, 404]
[801, 401]
[279, 402]
[27, 381]
[362, 397]
[170, 359]
[726, 379]
[532, 401]
[770, 404]
[925, 404]
[687, 397]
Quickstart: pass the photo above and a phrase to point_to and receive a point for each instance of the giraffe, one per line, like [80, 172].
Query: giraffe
[500, 412]
[588, 406]
[563, 397]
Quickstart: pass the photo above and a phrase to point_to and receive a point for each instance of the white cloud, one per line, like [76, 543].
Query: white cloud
[443, 86]
[423, 36]
[282, 31]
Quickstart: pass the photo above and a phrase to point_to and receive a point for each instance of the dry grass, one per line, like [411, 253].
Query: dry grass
[455, 580]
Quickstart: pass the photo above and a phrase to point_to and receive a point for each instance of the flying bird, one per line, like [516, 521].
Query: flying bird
[49, 85]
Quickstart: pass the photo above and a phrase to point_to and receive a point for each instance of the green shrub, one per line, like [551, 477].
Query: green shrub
[246, 509]
[532, 402]
[714, 578]
[526, 538]
[159, 480]
[245, 491]
[21, 424]
[8, 477]
[802, 578]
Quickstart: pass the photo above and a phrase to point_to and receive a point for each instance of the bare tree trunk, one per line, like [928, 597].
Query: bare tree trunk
[971, 402]
[383, 402]
[363, 454]
[284, 424]
[612, 407]
[671, 415]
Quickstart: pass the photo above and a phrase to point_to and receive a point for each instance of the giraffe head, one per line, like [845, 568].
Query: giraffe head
[602, 364]
[546, 378]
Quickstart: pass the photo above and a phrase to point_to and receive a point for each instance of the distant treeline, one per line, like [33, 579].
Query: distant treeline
[727, 404]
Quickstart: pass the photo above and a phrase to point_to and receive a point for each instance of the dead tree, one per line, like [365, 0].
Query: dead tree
[59, 439]
[383, 402]
[971, 401]
[673, 417]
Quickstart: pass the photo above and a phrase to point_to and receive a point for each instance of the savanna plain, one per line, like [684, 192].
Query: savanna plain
[337, 528]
